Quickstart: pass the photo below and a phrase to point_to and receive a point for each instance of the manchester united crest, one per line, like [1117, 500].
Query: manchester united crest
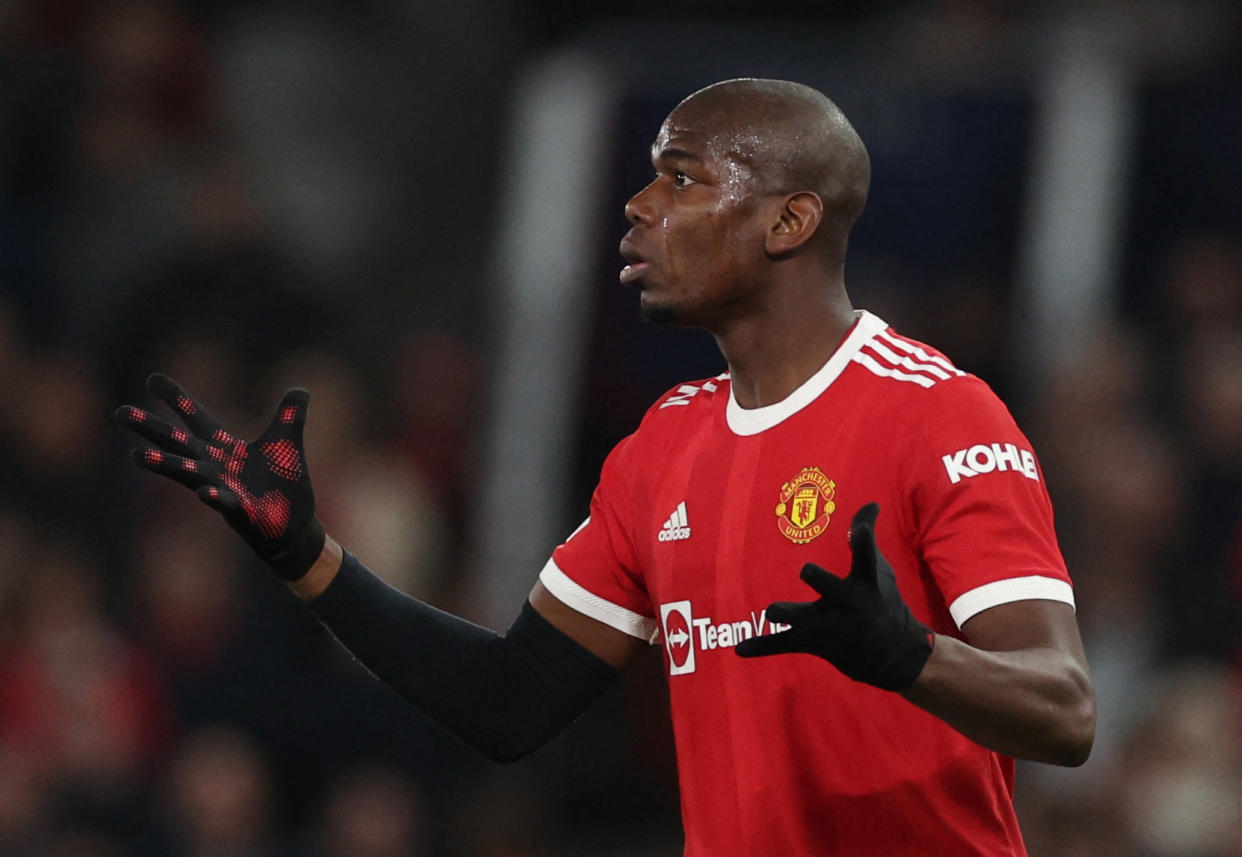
[806, 505]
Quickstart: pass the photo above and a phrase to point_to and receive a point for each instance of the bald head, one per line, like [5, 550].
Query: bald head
[783, 137]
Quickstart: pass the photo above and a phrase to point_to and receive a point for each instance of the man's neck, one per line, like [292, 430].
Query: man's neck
[771, 354]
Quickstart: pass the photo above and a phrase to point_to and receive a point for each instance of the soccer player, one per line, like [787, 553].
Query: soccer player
[923, 634]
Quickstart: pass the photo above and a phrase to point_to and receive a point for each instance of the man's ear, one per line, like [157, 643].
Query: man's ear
[798, 219]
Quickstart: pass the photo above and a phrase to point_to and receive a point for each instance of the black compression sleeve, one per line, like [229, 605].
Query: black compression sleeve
[504, 695]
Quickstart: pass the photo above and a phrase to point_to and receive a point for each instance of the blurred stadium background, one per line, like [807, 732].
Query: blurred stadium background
[411, 208]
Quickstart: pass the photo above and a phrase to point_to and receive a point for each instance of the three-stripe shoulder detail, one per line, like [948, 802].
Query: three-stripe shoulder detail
[900, 359]
[683, 394]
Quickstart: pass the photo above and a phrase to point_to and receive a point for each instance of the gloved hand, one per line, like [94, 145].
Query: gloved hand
[263, 488]
[859, 624]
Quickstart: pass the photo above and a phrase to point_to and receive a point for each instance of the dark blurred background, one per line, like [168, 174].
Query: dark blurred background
[412, 210]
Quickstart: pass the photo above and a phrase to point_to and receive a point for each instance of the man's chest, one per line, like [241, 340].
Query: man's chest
[729, 521]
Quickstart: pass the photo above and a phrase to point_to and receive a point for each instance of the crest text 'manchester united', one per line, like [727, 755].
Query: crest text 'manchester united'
[806, 505]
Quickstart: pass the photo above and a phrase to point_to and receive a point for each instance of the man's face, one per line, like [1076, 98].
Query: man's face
[696, 244]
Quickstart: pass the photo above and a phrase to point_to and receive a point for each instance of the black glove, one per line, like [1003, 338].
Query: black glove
[263, 488]
[860, 624]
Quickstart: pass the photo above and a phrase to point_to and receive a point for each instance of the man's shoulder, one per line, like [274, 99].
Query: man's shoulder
[682, 407]
[678, 412]
[906, 379]
[898, 364]
[691, 393]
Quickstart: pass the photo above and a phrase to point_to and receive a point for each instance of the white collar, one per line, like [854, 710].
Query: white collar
[748, 421]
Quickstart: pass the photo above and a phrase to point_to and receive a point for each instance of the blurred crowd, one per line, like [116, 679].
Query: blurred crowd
[160, 694]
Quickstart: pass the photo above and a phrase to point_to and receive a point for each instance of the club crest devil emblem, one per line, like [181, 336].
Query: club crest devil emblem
[806, 505]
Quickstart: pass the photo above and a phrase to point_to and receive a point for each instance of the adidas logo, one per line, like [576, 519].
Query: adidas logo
[677, 527]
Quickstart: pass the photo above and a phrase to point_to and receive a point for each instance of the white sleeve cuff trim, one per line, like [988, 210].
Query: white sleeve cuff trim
[1032, 588]
[590, 604]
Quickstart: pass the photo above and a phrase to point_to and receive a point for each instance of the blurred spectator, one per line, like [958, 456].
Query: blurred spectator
[26, 801]
[12, 356]
[372, 811]
[1202, 284]
[1182, 787]
[77, 696]
[217, 799]
[1212, 402]
[504, 817]
[437, 383]
[83, 843]
[139, 89]
[57, 407]
[188, 588]
[1205, 612]
[370, 497]
[1113, 470]
[16, 548]
[1074, 823]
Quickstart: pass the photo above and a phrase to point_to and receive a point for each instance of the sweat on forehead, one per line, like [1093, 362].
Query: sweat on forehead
[793, 136]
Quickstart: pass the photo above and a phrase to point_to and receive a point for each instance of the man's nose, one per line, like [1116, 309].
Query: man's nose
[639, 209]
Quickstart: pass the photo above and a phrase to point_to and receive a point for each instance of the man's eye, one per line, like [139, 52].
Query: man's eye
[680, 179]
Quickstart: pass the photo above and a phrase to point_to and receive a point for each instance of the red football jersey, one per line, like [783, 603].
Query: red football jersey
[706, 514]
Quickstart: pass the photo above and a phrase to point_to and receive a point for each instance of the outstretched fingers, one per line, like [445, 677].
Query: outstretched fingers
[781, 643]
[823, 581]
[791, 613]
[191, 412]
[163, 434]
[187, 471]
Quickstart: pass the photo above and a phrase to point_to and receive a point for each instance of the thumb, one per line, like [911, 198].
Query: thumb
[290, 416]
[866, 515]
[862, 544]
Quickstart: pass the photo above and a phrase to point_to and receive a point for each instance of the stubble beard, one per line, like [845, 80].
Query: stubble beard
[665, 314]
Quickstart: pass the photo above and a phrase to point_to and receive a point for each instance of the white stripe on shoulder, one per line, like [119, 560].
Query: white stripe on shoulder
[884, 372]
[911, 348]
[888, 354]
[1034, 587]
[588, 603]
[686, 392]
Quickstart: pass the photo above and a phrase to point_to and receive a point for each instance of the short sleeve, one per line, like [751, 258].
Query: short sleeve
[978, 504]
[595, 571]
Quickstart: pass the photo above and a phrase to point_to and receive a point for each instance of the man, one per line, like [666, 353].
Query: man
[947, 621]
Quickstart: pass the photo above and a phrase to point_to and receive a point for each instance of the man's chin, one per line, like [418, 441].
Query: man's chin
[664, 313]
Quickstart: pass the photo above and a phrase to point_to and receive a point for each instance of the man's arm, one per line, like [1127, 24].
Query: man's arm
[615, 648]
[504, 694]
[1020, 685]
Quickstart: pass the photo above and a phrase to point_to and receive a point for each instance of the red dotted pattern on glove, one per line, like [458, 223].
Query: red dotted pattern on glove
[283, 459]
[269, 513]
[237, 459]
